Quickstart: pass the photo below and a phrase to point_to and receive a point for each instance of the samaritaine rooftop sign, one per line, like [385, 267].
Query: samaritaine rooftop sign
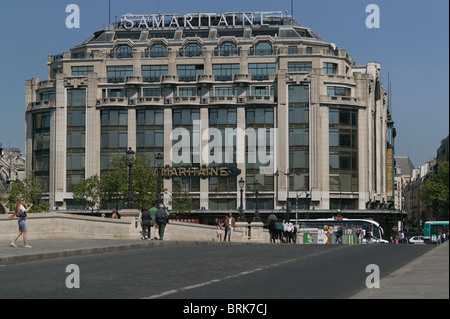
[197, 20]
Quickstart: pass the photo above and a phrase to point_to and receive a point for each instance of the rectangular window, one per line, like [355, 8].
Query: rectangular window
[225, 72]
[338, 91]
[82, 70]
[343, 150]
[330, 68]
[299, 67]
[116, 74]
[189, 72]
[261, 71]
[46, 96]
[299, 137]
[152, 73]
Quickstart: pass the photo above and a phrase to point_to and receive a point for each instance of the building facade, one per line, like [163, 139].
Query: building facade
[253, 92]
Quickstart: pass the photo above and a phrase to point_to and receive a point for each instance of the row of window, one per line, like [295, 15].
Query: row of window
[187, 73]
[190, 50]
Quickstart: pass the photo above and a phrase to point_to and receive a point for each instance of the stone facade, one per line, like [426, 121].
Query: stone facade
[241, 72]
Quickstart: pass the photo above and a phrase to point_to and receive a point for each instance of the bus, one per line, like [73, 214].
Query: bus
[431, 230]
[365, 225]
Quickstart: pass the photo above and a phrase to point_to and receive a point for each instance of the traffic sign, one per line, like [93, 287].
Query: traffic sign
[394, 228]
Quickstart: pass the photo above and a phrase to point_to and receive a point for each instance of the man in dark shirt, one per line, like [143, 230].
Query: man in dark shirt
[146, 217]
[161, 219]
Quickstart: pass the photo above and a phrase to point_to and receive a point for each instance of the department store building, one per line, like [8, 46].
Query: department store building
[303, 102]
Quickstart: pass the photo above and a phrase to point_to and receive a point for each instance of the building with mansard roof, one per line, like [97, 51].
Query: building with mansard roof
[256, 93]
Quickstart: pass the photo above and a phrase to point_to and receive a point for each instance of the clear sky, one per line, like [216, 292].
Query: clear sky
[412, 45]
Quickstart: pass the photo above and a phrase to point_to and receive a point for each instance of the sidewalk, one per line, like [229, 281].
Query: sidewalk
[427, 277]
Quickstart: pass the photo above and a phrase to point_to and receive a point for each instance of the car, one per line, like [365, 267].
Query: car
[417, 240]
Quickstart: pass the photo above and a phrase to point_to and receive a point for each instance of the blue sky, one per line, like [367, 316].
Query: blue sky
[412, 45]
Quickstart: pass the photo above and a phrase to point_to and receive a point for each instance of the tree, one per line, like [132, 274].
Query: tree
[114, 186]
[88, 192]
[31, 191]
[435, 190]
[181, 202]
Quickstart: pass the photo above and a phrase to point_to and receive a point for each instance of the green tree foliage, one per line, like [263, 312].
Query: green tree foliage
[112, 188]
[181, 202]
[88, 192]
[31, 192]
[435, 190]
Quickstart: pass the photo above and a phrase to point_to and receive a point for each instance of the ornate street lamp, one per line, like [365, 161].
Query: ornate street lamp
[241, 207]
[159, 164]
[130, 203]
[256, 218]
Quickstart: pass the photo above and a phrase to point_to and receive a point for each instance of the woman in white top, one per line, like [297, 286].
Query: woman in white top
[21, 212]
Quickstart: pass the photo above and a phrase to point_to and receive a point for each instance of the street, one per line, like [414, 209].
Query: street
[222, 271]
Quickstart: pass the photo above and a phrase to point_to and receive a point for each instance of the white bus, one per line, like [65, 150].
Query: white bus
[365, 224]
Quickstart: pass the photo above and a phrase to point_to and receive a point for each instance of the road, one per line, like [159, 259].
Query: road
[222, 271]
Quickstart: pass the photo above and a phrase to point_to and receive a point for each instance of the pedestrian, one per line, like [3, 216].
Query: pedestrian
[162, 218]
[219, 229]
[115, 214]
[279, 226]
[153, 223]
[272, 231]
[368, 236]
[271, 220]
[358, 233]
[230, 224]
[21, 213]
[146, 218]
[294, 233]
[339, 235]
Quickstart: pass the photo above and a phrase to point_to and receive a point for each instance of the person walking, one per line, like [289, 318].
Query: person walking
[146, 218]
[219, 225]
[153, 221]
[162, 218]
[230, 224]
[21, 213]
[271, 220]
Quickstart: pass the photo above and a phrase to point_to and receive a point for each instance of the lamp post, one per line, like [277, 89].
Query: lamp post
[241, 206]
[277, 173]
[159, 163]
[130, 203]
[256, 218]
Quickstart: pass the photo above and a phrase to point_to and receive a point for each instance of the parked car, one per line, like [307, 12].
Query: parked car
[416, 240]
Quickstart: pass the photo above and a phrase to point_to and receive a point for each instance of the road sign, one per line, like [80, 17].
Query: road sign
[394, 228]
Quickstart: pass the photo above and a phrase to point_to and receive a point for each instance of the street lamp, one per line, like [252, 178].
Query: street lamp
[159, 163]
[256, 218]
[130, 203]
[241, 206]
[287, 191]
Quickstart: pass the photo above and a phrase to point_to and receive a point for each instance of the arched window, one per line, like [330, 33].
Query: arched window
[193, 49]
[228, 49]
[263, 48]
[123, 51]
[158, 50]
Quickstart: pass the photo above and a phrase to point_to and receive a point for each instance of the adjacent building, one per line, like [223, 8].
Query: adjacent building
[254, 92]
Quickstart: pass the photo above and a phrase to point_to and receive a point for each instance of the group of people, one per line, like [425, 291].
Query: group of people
[226, 227]
[156, 217]
[442, 237]
[281, 231]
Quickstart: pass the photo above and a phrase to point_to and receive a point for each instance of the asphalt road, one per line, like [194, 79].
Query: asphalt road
[222, 271]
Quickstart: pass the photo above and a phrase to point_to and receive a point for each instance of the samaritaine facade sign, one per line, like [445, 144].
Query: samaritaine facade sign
[197, 20]
[202, 171]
